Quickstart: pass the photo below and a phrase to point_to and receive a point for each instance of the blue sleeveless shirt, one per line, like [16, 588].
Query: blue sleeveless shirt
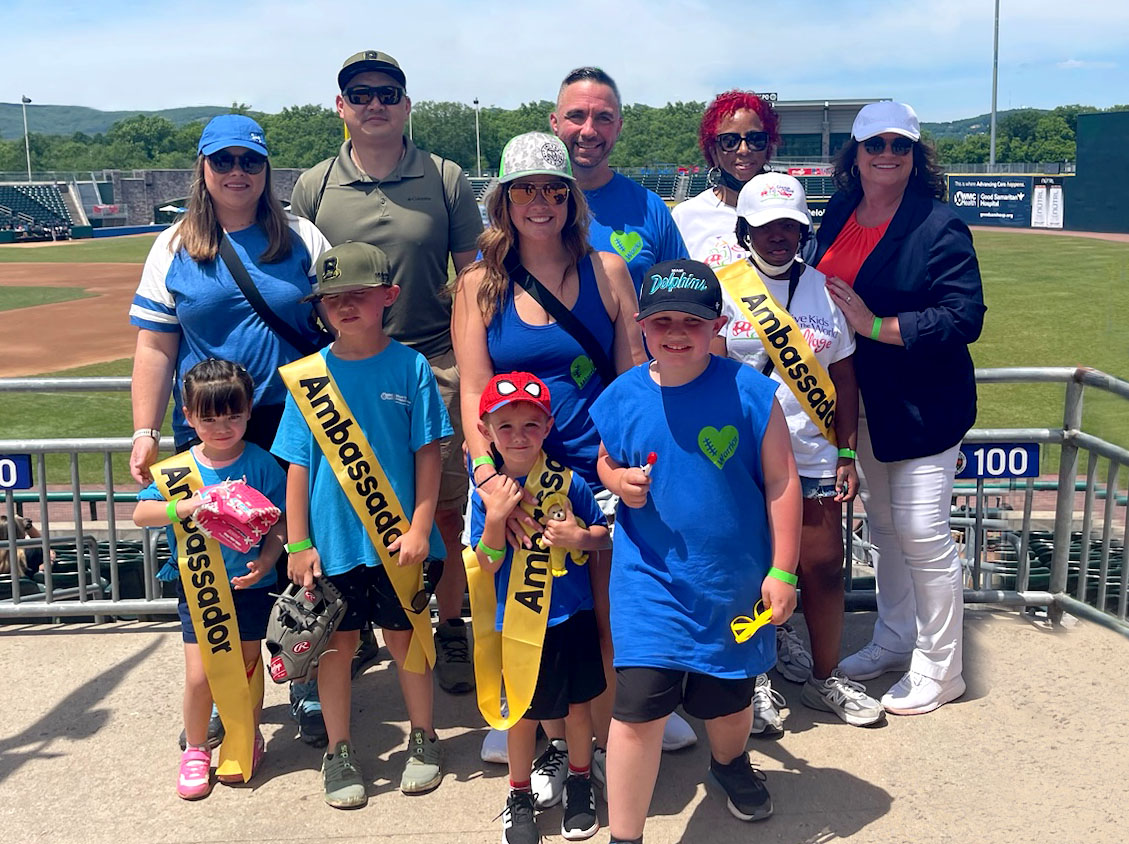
[551, 353]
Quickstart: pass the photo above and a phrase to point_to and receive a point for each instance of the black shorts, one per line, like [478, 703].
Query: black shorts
[372, 599]
[646, 694]
[252, 612]
[571, 671]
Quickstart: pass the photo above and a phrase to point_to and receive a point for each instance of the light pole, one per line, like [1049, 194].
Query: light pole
[995, 69]
[477, 141]
[24, 100]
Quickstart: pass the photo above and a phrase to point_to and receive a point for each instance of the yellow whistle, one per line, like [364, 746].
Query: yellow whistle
[744, 627]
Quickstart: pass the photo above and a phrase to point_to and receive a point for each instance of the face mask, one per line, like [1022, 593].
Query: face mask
[770, 269]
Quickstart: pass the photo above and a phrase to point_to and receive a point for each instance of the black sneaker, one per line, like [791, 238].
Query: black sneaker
[215, 732]
[454, 670]
[518, 826]
[305, 708]
[580, 819]
[367, 652]
[743, 786]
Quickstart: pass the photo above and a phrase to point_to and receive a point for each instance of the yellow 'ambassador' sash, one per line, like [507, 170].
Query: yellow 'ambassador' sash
[208, 591]
[784, 343]
[365, 485]
[515, 653]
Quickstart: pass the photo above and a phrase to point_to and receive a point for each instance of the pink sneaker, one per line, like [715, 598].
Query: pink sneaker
[195, 779]
[260, 750]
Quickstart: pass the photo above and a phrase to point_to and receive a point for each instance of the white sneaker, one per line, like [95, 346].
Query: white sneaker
[844, 697]
[793, 661]
[916, 694]
[767, 702]
[550, 770]
[873, 661]
[677, 734]
[494, 748]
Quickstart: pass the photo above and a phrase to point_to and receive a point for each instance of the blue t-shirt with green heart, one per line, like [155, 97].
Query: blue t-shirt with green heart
[694, 557]
[635, 224]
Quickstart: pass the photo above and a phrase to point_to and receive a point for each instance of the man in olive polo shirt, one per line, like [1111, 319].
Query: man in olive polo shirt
[418, 208]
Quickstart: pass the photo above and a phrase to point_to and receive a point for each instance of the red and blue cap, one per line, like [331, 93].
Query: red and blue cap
[514, 387]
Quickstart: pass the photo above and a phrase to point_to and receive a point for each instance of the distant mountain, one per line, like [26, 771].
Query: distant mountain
[981, 124]
[66, 120]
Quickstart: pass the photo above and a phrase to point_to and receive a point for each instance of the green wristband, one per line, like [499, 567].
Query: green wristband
[876, 329]
[301, 545]
[484, 460]
[170, 511]
[849, 453]
[492, 554]
[786, 576]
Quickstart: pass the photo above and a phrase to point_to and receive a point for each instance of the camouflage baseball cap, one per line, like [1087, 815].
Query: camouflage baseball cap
[350, 266]
[534, 154]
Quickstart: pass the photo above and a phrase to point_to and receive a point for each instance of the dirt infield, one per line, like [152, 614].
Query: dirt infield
[62, 335]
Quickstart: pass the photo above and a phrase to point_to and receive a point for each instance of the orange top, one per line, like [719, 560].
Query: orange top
[851, 248]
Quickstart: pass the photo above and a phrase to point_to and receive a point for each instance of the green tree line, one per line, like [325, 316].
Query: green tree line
[300, 136]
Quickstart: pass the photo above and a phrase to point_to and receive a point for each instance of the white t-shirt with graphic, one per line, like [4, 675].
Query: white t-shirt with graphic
[709, 228]
[830, 337]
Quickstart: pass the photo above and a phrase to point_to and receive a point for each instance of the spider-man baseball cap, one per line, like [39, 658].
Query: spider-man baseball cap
[514, 387]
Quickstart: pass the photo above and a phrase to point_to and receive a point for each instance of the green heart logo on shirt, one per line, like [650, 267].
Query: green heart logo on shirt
[581, 370]
[717, 445]
[627, 244]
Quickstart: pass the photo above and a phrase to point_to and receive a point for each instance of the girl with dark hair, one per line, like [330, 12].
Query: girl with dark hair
[902, 268]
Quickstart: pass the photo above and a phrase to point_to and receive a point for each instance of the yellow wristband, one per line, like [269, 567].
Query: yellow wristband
[785, 576]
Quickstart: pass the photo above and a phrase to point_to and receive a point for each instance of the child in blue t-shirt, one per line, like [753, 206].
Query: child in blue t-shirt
[394, 399]
[217, 404]
[709, 526]
[516, 416]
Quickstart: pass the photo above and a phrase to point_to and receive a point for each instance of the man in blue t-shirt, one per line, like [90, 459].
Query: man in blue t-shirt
[627, 218]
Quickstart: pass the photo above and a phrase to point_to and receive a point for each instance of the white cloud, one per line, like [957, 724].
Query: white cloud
[1075, 64]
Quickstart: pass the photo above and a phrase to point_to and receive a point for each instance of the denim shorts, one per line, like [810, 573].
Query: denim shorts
[818, 487]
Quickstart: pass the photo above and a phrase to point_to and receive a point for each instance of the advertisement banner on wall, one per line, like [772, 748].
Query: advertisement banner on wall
[985, 200]
[1046, 203]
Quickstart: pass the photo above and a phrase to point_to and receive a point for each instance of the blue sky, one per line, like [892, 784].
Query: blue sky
[126, 54]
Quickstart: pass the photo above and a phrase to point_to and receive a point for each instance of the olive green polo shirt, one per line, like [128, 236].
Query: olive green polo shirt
[405, 215]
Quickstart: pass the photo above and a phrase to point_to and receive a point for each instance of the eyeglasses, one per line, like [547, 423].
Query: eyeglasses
[363, 94]
[250, 163]
[433, 571]
[731, 141]
[901, 145]
[523, 193]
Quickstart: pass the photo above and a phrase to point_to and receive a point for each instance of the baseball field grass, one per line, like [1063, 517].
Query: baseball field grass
[27, 297]
[1052, 301]
[131, 249]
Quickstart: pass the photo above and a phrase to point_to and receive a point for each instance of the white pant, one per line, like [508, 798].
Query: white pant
[918, 572]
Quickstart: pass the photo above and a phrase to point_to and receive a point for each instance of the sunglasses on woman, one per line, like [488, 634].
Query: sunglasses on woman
[523, 193]
[250, 163]
[901, 145]
[730, 141]
[385, 94]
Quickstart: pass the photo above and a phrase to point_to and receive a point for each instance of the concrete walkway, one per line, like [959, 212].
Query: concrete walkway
[1038, 750]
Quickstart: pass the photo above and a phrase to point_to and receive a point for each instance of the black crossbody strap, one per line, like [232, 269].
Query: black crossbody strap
[565, 318]
[273, 321]
[793, 283]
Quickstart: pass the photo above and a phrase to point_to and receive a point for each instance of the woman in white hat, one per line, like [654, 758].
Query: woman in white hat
[903, 270]
[783, 322]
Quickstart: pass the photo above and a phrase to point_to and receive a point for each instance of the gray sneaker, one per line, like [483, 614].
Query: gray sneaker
[767, 703]
[844, 697]
[422, 771]
[453, 667]
[344, 788]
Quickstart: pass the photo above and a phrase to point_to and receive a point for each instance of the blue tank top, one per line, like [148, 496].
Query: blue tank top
[551, 353]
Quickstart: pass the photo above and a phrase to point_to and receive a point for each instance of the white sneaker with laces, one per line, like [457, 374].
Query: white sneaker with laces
[677, 734]
[767, 703]
[844, 697]
[916, 694]
[873, 661]
[793, 661]
[494, 748]
[550, 770]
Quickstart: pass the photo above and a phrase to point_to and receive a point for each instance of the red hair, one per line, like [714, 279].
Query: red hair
[726, 105]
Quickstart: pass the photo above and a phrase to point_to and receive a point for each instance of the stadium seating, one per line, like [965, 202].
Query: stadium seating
[42, 203]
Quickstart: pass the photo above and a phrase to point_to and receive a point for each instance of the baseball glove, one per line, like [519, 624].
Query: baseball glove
[235, 514]
[299, 629]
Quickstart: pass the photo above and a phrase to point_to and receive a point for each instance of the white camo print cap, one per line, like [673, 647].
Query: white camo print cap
[534, 154]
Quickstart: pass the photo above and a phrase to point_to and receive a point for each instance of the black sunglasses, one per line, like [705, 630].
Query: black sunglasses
[901, 145]
[523, 193]
[432, 571]
[730, 141]
[363, 94]
[250, 163]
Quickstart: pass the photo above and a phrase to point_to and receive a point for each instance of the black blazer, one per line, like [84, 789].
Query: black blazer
[920, 398]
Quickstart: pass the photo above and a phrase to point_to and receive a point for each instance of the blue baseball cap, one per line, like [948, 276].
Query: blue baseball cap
[232, 130]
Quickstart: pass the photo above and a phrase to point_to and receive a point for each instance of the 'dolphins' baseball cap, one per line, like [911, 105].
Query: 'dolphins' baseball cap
[689, 287]
[232, 130]
[348, 267]
[534, 154]
[367, 60]
[773, 196]
[514, 387]
[886, 116]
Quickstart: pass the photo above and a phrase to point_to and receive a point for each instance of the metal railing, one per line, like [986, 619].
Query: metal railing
[998, 555]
